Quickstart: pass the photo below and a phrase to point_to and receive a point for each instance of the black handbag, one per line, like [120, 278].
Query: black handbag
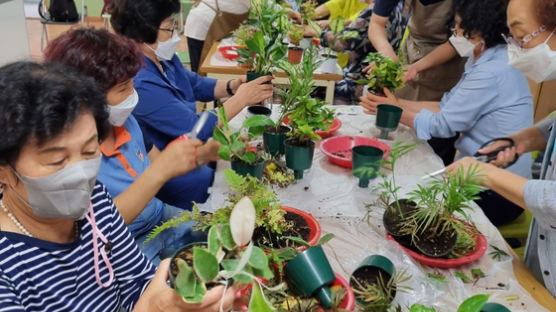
[60, 11]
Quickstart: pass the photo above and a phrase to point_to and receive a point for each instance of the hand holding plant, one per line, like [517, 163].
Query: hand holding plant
[385, 73]
[371, 101]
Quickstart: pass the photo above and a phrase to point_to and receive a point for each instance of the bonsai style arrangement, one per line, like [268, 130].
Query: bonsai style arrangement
[375, 283]
[229, 257]
[245, 159]
[435, 229]
[385, 73]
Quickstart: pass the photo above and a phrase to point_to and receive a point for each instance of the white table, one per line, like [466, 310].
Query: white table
[334, 198]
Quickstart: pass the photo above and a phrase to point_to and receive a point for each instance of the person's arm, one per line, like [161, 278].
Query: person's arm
[410, 108]
[176, 159]
[322, 11]
[442, 54]
[246, 94]
[153, 153]
[379, 37]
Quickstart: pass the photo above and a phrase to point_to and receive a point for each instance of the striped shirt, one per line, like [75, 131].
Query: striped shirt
[37, 275]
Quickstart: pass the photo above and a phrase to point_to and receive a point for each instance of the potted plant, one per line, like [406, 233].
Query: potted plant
[477, 303]
[229, 257]
[245, 160]
[375, 283]
[385, 73]
[276, 173]
[336, 34]
[295, 52]
[436, 231]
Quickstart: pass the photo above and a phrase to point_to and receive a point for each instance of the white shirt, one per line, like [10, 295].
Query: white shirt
[200, 18]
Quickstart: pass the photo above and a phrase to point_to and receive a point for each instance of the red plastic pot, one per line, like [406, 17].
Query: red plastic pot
[314, 225]
[335, 126]
[480, 249]
[338, 149]
[294, 55]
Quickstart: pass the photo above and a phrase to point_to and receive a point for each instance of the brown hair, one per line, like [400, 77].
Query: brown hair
[546, 10]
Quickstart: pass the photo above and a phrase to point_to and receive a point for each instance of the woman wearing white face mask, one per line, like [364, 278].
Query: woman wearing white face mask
[532, 24]
[63, 245]
[491, 100]
[132, 172]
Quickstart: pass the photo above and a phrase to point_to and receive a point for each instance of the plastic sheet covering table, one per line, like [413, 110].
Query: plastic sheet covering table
[331, 194]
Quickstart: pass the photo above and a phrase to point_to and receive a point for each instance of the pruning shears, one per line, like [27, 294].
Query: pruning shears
[196, 128]
[485, 157]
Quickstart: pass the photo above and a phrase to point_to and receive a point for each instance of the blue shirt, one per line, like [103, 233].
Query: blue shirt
[120, 167]
[37, 275]
[166, 107]
[492, 99]
[166, 110]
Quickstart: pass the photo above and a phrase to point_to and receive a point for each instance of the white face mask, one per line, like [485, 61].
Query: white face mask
[463, 46]
[118, 113]
[65, 193]
[166, 49]
[538, 63]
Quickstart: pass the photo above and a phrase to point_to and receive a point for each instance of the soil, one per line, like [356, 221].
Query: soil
[343, 154]
[300, 228]
[282, 129]
[435, 245]
[369, 276]
[392, 219]
[294, 142]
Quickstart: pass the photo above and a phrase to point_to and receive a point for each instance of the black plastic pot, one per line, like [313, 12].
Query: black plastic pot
[274, 140]
[387, 119]
[244, 169]
[391, 218]
[259, 110]
[309, 274]
[299, 158]
[370, 271]
[364, 156]
[252, 76]
[436, 246]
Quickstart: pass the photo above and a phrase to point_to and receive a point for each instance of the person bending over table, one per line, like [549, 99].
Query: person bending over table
[131, 172]
[63, 244]
[168, 91]
[491, 100]
[532, 49]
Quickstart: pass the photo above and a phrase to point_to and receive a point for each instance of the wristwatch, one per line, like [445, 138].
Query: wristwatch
[228, 87]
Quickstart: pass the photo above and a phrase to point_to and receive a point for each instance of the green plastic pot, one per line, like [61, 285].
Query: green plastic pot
[309, 274]
[299, 158]
[494, 307]
[375, 262]
[252, 76]
[274, 141]
[243, 169]
[364, 156]
[387, 119]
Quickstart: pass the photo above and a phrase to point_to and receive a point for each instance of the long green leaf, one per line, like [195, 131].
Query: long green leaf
[205, 264]
[474, 304]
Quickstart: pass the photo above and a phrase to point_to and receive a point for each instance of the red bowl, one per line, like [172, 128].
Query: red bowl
[336, 124]
[480, 249]
[349, 300]
[338, 149]
[314, 225]
[229, 52]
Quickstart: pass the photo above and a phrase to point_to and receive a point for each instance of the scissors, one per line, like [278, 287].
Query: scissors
[196, 128]
[485, 157]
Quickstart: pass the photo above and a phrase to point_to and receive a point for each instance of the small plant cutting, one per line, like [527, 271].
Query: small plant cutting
[375, 283]
[385, 73]
[435, 228]
[245, 159]
[295, 52]
[224, 259]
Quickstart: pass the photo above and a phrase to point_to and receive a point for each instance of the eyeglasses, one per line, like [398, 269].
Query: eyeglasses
[527, 38]
[171, 30]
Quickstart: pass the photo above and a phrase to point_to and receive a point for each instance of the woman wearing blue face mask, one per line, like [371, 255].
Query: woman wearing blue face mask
[531, 49]
[168, 91]
[63, 244]
[491, 100]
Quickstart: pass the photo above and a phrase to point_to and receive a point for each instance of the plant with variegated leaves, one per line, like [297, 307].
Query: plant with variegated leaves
[228, 256]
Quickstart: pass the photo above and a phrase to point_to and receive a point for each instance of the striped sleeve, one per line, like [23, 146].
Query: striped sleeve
[9, 301]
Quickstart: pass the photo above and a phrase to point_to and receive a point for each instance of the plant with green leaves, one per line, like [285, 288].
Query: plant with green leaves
[386, 73]
[438, 203]
[233, 145]
[307, 12]
[295, 33]
[243, 33]
[498, 254]
[225, 258]
[337, 27]
[379, 296]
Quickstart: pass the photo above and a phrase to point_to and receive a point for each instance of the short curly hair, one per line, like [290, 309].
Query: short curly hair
[141, 19]
[486, 18]
[546, 10]
[108, 58]
[41, 101]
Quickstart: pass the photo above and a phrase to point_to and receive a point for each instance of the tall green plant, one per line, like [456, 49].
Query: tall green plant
[337, 27]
